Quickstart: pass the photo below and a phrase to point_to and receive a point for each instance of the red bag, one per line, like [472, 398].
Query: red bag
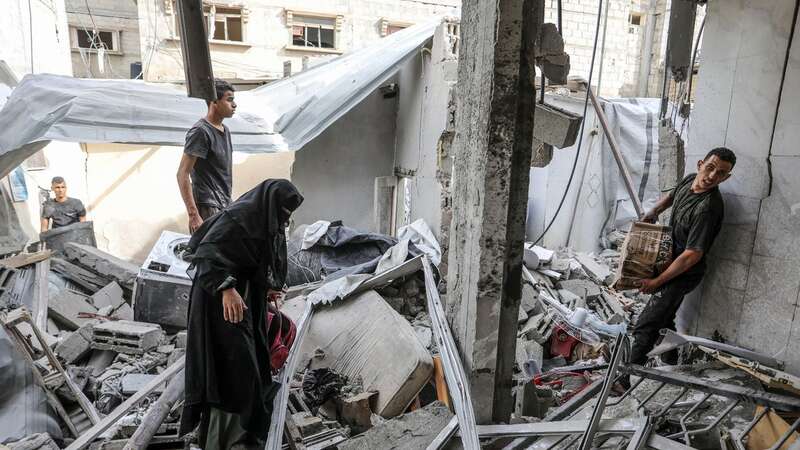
[281, 332]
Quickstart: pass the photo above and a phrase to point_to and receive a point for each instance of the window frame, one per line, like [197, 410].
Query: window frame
[296, 18]
[386, 23]
[116, 39]
[208, 6]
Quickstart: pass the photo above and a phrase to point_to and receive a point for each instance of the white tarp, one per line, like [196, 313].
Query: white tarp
[281, 116]
[597, 201]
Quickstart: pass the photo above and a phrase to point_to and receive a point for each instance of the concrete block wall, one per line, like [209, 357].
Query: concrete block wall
[750, 293]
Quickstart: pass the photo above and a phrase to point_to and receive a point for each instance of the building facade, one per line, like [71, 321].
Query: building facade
[256, 41]
[104, 38]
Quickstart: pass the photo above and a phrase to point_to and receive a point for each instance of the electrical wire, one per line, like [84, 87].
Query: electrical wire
[583, 124]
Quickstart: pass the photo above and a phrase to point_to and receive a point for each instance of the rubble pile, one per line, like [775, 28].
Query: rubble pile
[369, 371]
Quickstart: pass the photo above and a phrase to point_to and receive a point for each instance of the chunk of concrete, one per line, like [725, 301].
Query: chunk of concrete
[555, 126]
[598, 272]
[111, 295]
[105, 264]
[66, 306]
[134, 382]
[582, 288]
[529, 302]
[77, 345]
[124, 312]
[414, 430]
[530, 259]
[571, 299]
[124, 336]
[356, 412]
[538, 328]
[307, 424]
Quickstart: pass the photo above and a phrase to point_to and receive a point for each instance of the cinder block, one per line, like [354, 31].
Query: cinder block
[77, 345]
[126, 337]
[357, 412]
[66, 306]
[102, 263]
[308, 424]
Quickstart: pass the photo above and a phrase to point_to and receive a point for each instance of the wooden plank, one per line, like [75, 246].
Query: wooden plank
[86, 438]
[25, 259]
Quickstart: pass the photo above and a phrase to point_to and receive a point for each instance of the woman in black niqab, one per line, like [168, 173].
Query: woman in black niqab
[242, 249]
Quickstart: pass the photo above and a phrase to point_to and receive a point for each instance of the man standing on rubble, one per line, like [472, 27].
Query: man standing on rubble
[207, 160]
[62, 210]
[697, 213]
[239, 259]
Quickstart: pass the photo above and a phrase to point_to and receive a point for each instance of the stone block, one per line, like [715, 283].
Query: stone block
[307, 424]
[111, 295]
[124, 336]
[356, 412]
[105, 264]
[582, 288]
[66, 306]
[77, 345]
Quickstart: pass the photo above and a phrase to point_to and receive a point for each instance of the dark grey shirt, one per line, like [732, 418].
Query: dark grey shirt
[696, 221]
[63, 213]
[212, 174]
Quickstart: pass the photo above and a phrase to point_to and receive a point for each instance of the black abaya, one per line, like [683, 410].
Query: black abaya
[227, 364]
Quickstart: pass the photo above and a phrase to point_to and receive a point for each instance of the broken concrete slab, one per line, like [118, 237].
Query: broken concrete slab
[105, 264]
[571, 299]
[66, 306]
[414, 430]
[86, 279]
[595, 270]
[356, 412]
[134, 382]
[582, 288]
[77, 345]
[110, 295]
[126, 336]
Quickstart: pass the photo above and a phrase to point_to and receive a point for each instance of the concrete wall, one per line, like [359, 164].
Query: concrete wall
[262, 54]
[750, 292]
[336, 171]
[130, 191]
[49, 42]
[426, 84]
[106, 15]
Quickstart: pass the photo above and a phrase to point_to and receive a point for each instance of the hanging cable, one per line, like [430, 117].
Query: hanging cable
[583, 124]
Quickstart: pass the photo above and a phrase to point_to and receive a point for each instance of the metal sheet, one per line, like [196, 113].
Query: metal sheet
[673, 340]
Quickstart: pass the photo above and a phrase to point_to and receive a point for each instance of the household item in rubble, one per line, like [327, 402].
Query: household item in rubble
[281, 332]
[646, 252]
[365, 337]
[81, 233]
[161, 293]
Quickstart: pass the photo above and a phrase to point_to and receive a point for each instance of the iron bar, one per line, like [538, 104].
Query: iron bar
[597, 414]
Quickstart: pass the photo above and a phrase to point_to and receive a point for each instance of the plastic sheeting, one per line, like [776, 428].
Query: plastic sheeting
[281, 116]
[597, 200]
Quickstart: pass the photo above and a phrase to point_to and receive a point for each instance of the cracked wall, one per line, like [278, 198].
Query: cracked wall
[751, 288]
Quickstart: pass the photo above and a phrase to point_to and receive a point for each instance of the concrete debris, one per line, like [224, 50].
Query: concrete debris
[109, 296]
[133, 382]
[598, 272]
[77, 345]
[67, 307]
[126, 337]
[414, 430]
[41, 441]
[102, 263]
[180, 339]
[356, 411]
[584, 289]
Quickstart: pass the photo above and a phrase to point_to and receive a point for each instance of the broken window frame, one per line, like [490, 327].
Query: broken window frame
[76, 33]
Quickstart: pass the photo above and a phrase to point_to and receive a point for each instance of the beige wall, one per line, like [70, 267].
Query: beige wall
[130, 190]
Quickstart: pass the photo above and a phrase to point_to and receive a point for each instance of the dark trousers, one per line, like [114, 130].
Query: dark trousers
[660, 313]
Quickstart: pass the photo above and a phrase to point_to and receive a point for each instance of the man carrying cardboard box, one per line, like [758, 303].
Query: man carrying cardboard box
[697, 212]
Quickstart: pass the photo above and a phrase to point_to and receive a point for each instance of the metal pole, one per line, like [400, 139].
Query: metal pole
[608, 381]
[612, 141]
